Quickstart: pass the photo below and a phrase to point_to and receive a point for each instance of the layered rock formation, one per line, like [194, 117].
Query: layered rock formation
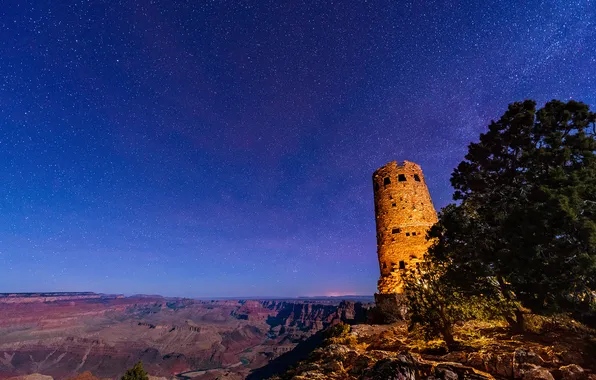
[51, 297]
[106, 335]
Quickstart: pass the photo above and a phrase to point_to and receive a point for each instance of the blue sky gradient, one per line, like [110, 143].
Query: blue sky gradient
[225, 148]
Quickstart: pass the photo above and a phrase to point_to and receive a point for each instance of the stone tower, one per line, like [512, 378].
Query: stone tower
[404, 212]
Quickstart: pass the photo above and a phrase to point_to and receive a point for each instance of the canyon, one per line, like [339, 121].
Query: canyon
[62, 335]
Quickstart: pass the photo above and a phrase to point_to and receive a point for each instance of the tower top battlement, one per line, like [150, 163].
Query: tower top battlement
[394, 165]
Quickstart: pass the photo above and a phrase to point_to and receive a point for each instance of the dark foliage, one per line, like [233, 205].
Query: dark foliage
[524, 231]
[135, 373]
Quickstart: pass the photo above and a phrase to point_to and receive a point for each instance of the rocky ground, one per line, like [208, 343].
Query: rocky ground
[554, 352]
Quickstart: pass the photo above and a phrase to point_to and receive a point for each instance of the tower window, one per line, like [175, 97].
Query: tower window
[393, 205]
[386, 181]
[395, 231]
[401, 177]
[416, 178]
[402, 265]
[413, 233]
[407, 234]
[384, 265]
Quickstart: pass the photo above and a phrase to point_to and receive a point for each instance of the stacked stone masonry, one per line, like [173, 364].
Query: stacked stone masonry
[404, 212]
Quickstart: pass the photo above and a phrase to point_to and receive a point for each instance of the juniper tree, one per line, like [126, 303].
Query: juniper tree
[524, 230]
[135, 373]
[436, 305]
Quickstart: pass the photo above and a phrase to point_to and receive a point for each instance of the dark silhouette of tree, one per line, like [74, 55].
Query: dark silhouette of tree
[524, 231]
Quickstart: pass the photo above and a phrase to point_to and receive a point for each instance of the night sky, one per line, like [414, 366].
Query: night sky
[225, 148]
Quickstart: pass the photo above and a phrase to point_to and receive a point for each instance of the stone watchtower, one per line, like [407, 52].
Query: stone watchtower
[404, 212]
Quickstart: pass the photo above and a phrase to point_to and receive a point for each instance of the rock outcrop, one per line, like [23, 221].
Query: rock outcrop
[340, 362]
[387, 352]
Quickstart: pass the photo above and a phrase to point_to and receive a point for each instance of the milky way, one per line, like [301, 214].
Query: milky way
[206, 148]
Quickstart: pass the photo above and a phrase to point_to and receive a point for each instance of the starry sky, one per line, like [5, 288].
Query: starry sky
[225, 148]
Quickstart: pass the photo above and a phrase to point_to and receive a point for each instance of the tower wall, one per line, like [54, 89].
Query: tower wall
[404, 212]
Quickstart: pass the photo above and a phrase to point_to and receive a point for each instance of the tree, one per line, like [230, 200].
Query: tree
[434, 304]
[524, 231]
[430, 303]
[135, 373]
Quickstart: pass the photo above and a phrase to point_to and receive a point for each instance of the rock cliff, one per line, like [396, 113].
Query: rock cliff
[106, 335]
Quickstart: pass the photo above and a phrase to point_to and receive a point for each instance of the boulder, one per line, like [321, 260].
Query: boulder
[337, 349]
[523, 360]
[570, 372]
[392, 369]
[534, 372]
[550, 356]
[446, 374]
[494, 363]
[523, 356]
[572, 356]
[360, 364]
[334, 366]
[446, 371]
[455, 356]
